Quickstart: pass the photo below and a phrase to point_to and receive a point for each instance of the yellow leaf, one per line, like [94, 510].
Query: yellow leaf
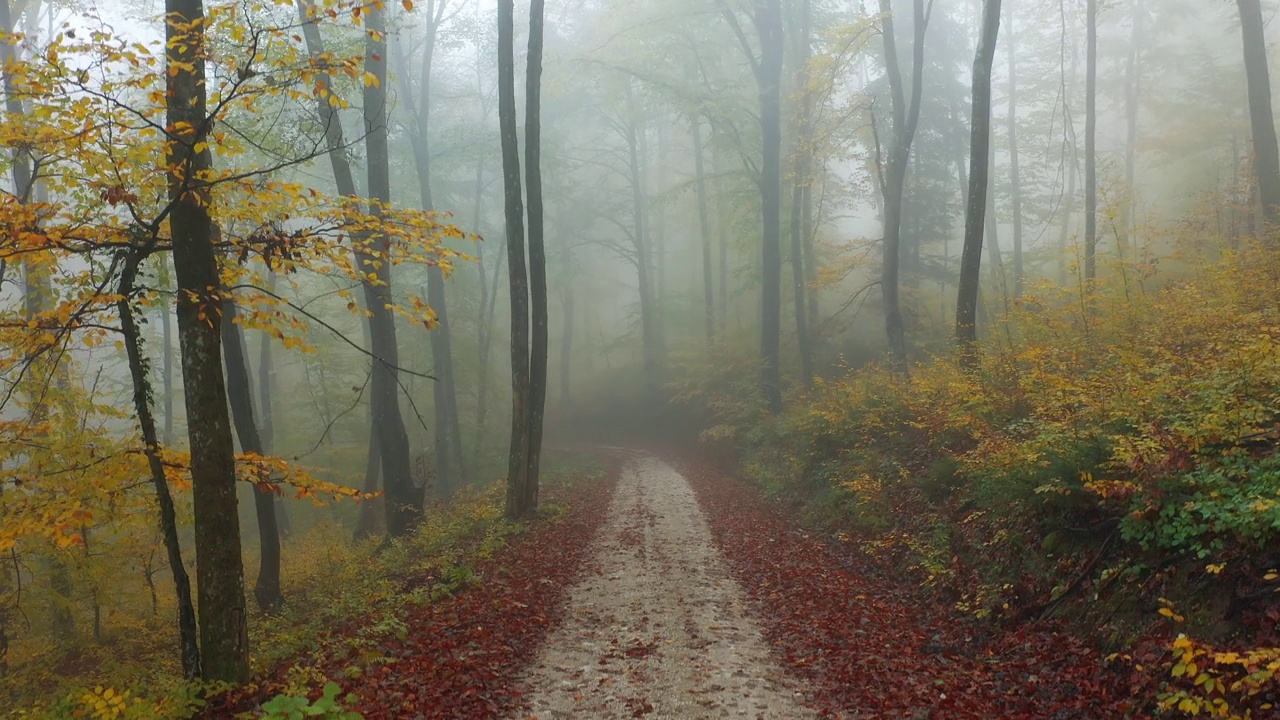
[408, 5]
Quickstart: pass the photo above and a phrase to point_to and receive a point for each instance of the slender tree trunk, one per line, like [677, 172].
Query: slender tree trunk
[808, 232]
[518, 458]
[448, 432]
[799, 196]
[486, 345]
[1266, 154]
[704, 226]
[905, 121]
[659, 234]
[38, 300]
[640, 240]
[798, 285]
[1068, 206]
[537, 256]
[22, 161]
[566, 349]
[166, 367]
[722, 241]
[1090, 146]
[979, 171]
[402, 501]
[224, 638]
[367, 521]
[266, 408]
[188, 646]
[267, 589]
[995, 252]
[768, 20]
[1073, 171]
[1015, 178]
[1132, 92]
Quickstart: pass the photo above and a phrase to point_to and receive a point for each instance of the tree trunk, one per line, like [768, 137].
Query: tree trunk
[798, 285]
[799, 195]
[518, 496]
[1073, 171]
[367, 521]
[22, 161]
[1132, 93]
[38, 300]
[722, 240]
[267, 589]
[979, 173]
[486, 346]
[809, 232]
[1015, 179]
[1090, 147]
[166, 322]
[659, 234]
[566, 350]
[266, 409]
[402, 501]
[188, 646]
[640, 240]
[450, 472]
[224, 638]
[704, 227]
[995, 252]
[537, 255]
[1266, 154]
[768, 20]
[905, 121]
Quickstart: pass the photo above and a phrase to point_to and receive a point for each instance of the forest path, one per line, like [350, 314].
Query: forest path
[659, 628]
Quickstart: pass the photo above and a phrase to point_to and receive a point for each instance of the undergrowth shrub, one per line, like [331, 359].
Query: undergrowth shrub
[340, 596]
[1145, 412]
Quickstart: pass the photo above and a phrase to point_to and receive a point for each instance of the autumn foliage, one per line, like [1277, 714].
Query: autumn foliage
[1107, 458]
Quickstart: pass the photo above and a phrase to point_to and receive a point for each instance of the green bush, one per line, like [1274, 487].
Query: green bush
[293, 707]
[1233, 503]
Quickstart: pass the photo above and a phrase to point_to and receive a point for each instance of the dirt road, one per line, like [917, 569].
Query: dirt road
[659, 628]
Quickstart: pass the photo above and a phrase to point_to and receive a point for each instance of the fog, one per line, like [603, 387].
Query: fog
[665, 294]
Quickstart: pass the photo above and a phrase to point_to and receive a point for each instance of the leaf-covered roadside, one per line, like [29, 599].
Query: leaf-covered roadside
[871, 646]
[457, 651]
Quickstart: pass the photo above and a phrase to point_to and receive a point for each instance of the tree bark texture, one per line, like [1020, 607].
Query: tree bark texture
[800, 195]
[402, 501]
[768, 20]
[267, 588]
[1015, 177]
[704, 228]
[518, 495]
[538, 348]
[640, 241]
[1266, 153]
[450, 470]
[979, 172]
[224, 637]
[188, 644]
[905, 120]
[1090, 145]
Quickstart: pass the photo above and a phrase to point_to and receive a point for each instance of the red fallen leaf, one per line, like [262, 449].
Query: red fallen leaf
[461, 656]
[893, 651]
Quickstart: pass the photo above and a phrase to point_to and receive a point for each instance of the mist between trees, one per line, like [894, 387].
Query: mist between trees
[281, 274]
